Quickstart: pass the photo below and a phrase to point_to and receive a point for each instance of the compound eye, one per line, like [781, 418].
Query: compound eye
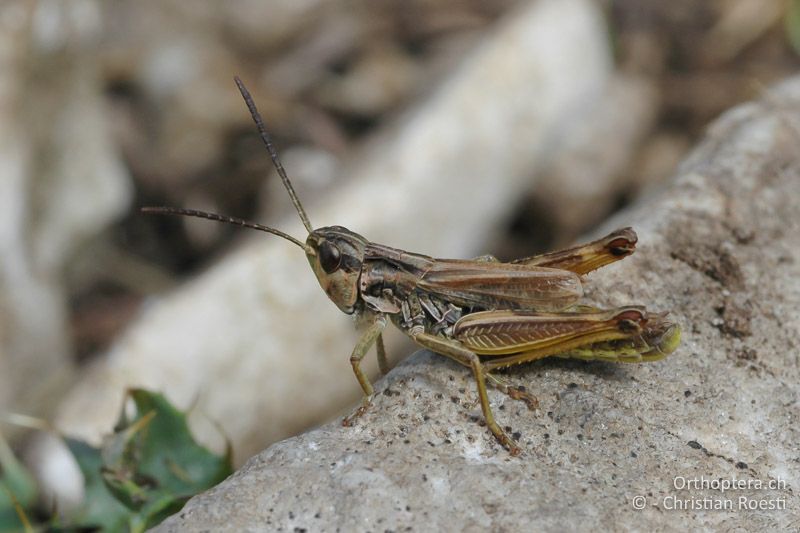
[329, 257]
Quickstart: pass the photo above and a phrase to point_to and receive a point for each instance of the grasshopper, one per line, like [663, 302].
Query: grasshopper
[482, 313]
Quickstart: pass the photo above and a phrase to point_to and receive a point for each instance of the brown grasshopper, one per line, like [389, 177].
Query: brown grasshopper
[482, 313]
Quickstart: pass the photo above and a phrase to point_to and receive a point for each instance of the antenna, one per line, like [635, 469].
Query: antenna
[262, 130]
[221, 218]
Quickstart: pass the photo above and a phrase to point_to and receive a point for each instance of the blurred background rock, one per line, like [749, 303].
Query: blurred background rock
[447, 127]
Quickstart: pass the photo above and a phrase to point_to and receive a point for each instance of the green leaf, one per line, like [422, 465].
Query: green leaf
[100, 508]
[146, 470]
[142, 473]
[17, 491]
[159, 447]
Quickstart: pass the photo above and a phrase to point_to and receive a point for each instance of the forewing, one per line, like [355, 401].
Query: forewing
[490, 285]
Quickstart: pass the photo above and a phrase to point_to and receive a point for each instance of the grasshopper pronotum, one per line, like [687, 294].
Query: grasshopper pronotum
[482, 313]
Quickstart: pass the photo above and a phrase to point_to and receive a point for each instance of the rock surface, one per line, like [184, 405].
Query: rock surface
[720, 248]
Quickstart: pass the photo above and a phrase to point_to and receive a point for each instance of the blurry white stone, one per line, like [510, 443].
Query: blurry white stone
[56, 471]
[261, 24]
[60, 182]
[586, 175]
[381, 79]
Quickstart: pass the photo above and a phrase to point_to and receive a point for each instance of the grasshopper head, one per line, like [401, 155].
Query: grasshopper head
[336, 255]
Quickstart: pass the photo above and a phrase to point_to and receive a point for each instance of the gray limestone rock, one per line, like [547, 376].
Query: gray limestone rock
[720, 248]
